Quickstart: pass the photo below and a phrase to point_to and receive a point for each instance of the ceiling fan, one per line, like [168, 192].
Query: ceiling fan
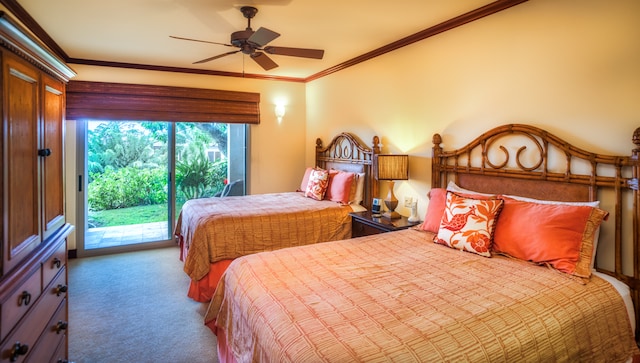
[253, 44]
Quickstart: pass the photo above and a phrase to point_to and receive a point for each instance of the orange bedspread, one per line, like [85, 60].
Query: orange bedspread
[398, 297]
[214, 229]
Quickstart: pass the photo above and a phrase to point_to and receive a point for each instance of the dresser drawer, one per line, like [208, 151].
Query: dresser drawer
[60, 354]
[54, 333]
[19, 302]
[31, 327]
[52, 265]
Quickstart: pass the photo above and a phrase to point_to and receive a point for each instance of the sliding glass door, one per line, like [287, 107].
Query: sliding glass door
[134, 178]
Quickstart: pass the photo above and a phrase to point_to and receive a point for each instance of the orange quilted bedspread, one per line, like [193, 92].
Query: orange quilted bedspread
[214, 229]
[399, 297]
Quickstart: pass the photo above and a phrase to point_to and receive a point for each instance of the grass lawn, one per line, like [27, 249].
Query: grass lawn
[126, 216]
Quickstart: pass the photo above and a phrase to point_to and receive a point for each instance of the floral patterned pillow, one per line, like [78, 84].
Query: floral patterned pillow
[468, 224]
[318, 182]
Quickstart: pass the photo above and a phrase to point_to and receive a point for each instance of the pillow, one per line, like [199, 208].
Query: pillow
[318, 182]
[305, 180]
[468, 224]
[437, 201]
[596, 204]
[559, 235]
[339, 188]
[453, 187]
[357, 191]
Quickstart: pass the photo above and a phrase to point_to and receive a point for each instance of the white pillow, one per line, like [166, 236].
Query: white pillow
[453, 187]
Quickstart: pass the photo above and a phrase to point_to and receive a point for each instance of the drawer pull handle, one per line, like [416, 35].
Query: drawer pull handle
[44, 152]
[61, 289]
[56, 263]
[25, 298]
[61, 325]
[62, 361]
[17, 350]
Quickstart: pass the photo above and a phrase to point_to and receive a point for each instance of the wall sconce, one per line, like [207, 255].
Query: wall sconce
[391, 167]
[280, 110]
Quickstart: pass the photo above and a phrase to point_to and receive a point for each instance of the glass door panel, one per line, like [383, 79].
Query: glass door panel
[201, 161]
[127, 195]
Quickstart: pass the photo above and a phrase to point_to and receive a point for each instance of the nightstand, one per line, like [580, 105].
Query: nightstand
[363, 224]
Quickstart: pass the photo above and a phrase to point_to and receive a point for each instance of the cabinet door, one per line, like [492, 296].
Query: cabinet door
[52, 155]
[21, 232]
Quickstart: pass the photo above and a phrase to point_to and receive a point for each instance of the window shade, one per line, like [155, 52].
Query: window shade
[134, 102]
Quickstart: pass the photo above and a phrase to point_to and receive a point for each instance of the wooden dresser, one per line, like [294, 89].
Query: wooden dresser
[33, 280]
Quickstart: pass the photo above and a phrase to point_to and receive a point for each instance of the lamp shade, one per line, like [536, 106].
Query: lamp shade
[391, 167]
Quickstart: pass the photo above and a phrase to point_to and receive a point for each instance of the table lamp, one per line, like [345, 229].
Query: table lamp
[391, 167]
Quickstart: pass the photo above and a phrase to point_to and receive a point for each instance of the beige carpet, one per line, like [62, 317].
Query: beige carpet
[132, 307]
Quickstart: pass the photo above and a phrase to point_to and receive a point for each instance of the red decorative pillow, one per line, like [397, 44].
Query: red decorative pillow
[561, 236]
[317, 186]
[339, 188]
[437, 202]
[468, 224]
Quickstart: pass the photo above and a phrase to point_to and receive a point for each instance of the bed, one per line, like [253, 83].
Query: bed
[212, 232]
[432, 293]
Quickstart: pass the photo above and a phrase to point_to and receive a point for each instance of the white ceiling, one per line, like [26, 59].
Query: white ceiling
[137, 31]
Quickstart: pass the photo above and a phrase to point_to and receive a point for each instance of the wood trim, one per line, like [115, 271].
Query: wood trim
[17, 39]
[421, 35]
[452, 23]
[119, 101]
[149, 67]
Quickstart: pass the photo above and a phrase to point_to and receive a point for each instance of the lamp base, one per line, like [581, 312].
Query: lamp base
[391, 214]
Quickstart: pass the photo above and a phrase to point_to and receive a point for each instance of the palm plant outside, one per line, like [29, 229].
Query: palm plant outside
[127, 164]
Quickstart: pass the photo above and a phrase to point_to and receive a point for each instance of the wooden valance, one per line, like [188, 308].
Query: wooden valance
[135, 102]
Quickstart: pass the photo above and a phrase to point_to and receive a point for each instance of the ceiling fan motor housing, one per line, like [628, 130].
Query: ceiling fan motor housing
[239, 39]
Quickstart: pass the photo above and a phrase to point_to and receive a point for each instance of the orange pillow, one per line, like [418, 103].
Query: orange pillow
[437, 202]
[468, 224]
[339, 188]
[561, 236]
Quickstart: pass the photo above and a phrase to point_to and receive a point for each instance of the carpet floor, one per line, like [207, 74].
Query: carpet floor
[132, 307]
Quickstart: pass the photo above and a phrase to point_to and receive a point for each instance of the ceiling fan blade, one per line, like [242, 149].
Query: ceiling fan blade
[201, 41]
[296, 52]
[216, 57]
[263, 60]
[262, 36]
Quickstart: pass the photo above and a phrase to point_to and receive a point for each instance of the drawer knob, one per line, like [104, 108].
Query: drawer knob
[61, 325]
[25, 298]
[44, 152]
[56, 263]
[18, 350]
[60, 289]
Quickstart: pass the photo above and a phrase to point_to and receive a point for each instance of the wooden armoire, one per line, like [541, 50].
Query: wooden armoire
[33, 233]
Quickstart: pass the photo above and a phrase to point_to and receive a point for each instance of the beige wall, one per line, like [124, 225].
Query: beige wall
[571, 67]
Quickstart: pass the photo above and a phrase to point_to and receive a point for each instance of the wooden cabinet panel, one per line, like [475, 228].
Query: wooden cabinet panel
[21, 218]
[52, 156]
[33, 231]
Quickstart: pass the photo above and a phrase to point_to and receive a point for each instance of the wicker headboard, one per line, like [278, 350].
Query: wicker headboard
[528, 161]
[346, 152]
